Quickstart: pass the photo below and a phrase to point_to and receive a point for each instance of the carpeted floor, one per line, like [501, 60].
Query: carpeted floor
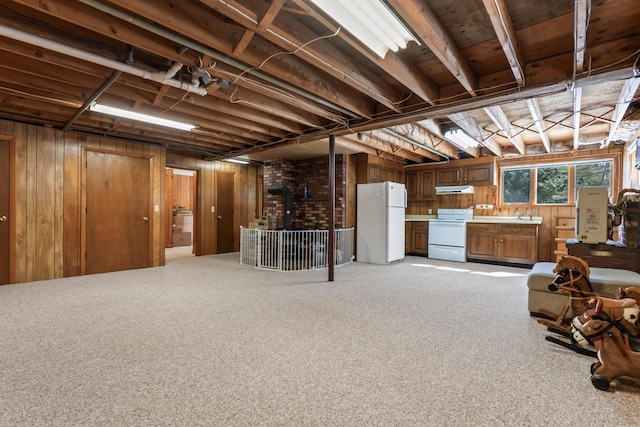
[206, 341]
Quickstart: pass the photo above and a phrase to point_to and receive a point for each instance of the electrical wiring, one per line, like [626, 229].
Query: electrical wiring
[299, 48]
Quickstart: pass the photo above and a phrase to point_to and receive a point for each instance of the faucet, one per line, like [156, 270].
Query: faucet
[518, 214]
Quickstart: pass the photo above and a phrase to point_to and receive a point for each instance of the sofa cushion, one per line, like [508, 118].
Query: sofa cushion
[605, 281]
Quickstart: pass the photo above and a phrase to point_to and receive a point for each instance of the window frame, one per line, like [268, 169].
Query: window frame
[505, 164]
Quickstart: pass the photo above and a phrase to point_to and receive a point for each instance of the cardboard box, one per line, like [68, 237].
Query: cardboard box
[184, 222]
[181, 239]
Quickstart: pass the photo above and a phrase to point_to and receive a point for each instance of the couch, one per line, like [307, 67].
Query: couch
[605, 281]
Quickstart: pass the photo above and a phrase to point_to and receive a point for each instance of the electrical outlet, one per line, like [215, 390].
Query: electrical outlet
[430, 211]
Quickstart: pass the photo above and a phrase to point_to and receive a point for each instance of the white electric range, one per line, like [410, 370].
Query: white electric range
[448, 234]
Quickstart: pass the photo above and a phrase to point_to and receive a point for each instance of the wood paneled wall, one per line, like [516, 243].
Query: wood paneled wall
[488, 194]
[246, 198]
[48, 194]
[183, 191]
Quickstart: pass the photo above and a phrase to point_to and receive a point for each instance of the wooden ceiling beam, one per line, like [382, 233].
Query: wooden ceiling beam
[577, 105]
[471, 127]
[501, 21]
[424, 23]
[264, 23]
[582, 15]
[372, 142]
[404, 144]
[500, 119]
[299, 40]
[538, 119]
[627, 94]
[423, 135]
[397, 67]
[198, 23]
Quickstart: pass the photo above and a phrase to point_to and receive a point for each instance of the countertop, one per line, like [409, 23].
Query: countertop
[536, 220]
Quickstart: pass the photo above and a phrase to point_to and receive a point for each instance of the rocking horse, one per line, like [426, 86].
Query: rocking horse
[616, 358]
[572, 277]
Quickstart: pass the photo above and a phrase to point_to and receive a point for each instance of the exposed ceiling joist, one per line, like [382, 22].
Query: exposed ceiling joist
[503, 27]
[272, 76]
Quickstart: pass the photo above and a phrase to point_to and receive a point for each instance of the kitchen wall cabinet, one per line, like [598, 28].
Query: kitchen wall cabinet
[373, 169]
[512, 243]
[475, 174]
[419, 237]
[420, 185]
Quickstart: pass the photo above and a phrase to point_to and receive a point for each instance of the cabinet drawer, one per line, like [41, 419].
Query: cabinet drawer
[420, 225]
[482, 228]
[517, 229]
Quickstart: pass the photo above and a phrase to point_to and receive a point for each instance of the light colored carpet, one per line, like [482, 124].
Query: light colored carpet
[206, 341]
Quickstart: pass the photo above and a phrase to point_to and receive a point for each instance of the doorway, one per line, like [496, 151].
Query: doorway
[181, 205]
[5, 217]
[117, 219]
[225, 202]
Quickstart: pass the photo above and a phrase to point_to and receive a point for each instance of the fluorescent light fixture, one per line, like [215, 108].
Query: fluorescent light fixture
[460, 138]
[238, 160]
[140, 117]
[371, 21]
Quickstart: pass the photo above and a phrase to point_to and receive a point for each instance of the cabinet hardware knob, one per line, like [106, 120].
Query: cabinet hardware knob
[145, 218]
[219, 217]
[516, 229]
[3, 218]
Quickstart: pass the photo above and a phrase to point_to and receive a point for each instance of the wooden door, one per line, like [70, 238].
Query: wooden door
[5, 218]
[168, 226]
[118, 211]
[225, 225]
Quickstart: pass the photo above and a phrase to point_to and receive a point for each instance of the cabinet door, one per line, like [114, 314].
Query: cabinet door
[518, 244]
[413, 192]
[427, 185]
[420, 237]
[452, 176]
[479, 174]
[374, 173]
[482, 241]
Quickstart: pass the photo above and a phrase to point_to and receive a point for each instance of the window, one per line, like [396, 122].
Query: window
[553, 184]
[593, 175]
[516, 186]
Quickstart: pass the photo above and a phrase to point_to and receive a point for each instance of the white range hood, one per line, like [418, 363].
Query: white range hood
[455, 189]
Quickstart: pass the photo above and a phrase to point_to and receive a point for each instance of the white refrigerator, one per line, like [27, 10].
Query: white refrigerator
[380, 222]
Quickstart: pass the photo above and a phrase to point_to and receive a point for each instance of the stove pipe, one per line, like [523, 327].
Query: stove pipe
[286, 193]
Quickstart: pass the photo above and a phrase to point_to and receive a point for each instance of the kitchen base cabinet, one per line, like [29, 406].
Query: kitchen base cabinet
[510, 243]
[419, 237]
[482, 241]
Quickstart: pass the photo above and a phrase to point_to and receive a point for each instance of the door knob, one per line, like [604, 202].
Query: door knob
[3, 218]
[145, 218]
[219, 217]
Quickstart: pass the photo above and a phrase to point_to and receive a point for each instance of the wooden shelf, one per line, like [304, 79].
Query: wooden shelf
[565, 229]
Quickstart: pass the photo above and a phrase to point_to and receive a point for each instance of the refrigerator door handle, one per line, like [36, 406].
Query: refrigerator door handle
[405, 196]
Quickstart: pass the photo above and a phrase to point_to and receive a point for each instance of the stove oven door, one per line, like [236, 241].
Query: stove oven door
[448, 240]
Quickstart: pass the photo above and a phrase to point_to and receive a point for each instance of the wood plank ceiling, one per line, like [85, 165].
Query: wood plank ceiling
[520, 76]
